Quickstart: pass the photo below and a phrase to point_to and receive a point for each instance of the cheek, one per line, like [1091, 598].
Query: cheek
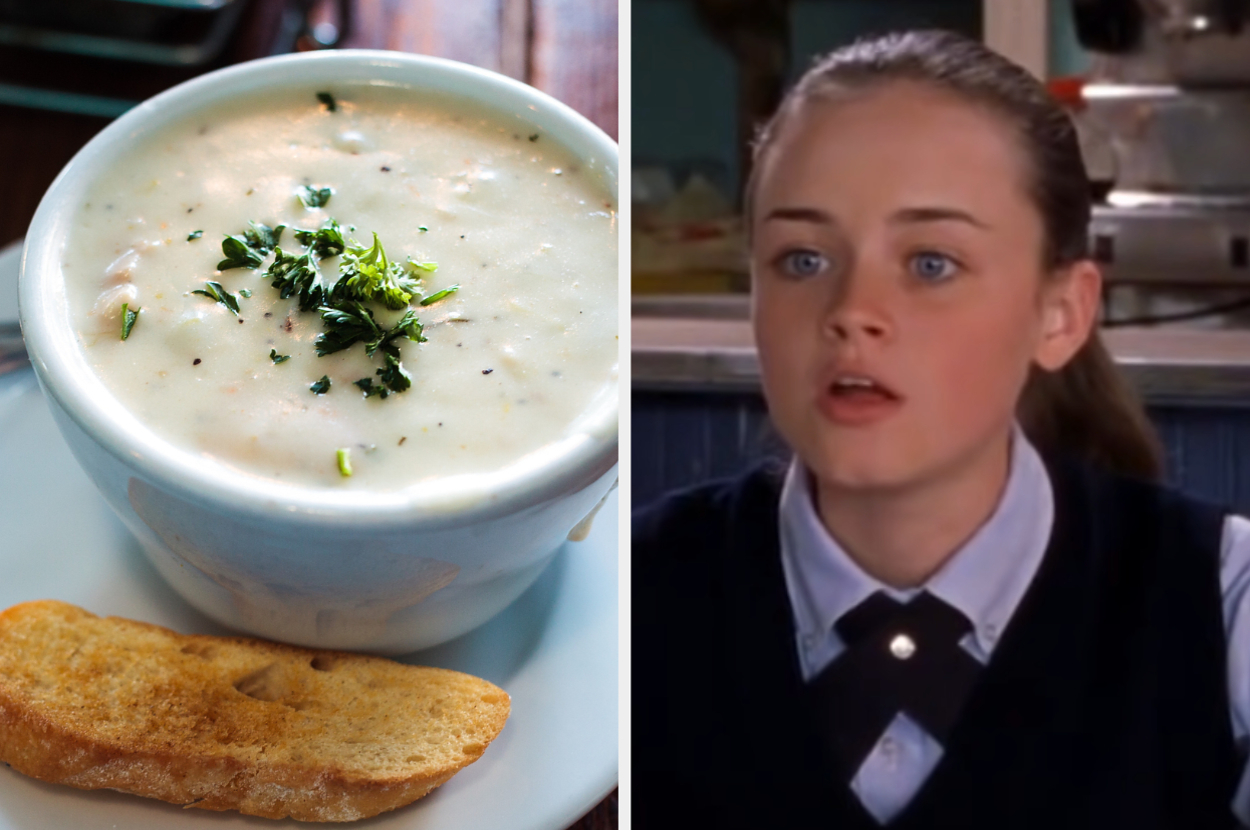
[984, 358]
[784, 327]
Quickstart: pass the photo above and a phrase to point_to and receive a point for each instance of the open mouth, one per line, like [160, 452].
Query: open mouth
[861, 388]
[858, 400]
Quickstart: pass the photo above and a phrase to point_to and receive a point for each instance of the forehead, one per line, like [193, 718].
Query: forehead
[895, 145]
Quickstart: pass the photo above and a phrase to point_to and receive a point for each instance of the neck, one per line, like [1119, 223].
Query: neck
[902, 536]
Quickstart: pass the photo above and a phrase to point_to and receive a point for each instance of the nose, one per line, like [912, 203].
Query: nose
[857, 310]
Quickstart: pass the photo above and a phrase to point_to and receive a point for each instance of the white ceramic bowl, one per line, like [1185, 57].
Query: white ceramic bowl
[389, 572]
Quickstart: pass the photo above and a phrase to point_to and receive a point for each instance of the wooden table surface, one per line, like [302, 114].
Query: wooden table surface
[567, 48]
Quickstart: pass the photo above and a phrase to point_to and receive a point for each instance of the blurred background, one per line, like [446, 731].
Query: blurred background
[1160, 92]
[68, 67]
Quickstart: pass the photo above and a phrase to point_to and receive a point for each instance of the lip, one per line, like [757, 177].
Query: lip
[856, 410]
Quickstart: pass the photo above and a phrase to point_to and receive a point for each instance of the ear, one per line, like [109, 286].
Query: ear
[1070, 303]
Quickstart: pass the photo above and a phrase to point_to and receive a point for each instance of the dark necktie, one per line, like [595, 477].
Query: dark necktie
[898, 658]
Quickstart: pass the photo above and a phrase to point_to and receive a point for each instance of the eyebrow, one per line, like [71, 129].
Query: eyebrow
[903, 216]
[937, 214]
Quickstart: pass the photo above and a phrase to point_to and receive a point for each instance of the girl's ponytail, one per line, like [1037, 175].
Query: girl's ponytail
[1088, 409]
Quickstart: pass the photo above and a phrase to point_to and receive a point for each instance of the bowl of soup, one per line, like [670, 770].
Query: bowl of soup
[335, 335]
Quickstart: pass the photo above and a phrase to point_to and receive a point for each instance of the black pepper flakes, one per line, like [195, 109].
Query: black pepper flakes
[268, 314]
[402, 439]
[487, 371]
[386, 169]
[196, 362]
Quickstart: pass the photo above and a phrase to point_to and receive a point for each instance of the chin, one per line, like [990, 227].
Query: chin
[846, 466]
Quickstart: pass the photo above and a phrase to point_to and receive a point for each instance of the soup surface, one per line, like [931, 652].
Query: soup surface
[474, 201]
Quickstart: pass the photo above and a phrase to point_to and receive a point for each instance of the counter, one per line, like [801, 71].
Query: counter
[705, 344]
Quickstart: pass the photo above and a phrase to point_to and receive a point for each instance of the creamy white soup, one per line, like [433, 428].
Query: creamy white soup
[508, 239]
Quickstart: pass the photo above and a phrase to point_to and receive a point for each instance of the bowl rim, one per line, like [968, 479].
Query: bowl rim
[568, 465]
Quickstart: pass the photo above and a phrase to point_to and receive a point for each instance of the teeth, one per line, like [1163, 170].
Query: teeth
[863, 383]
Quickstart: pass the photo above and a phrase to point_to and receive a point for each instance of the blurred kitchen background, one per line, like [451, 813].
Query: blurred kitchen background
[1160, 90]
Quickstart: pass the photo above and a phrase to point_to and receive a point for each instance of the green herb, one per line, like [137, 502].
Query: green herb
[245, 293]
[215, 291]
[366, 274]
[250, 249]
[344, 461]
[422, 228]
[366, 386]
[327, 99]
[408, 326]
[194, 235]
[292, 275]
[128, 319]
[345, 326]
[322, 386]
[238, 255]
[326, 241]
[262, 238]
[424, 266]
[438, 295]
[278, 358]
[314, 197]
[393, 374]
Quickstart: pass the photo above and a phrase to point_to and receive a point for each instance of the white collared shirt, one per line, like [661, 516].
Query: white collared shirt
[985, 579]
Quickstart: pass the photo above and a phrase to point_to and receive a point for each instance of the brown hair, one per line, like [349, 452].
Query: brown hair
[1085, 408]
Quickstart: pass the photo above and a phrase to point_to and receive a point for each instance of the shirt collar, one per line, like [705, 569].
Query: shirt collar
[985, 579]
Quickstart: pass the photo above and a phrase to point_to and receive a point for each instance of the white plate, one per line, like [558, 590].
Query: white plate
[554, 650]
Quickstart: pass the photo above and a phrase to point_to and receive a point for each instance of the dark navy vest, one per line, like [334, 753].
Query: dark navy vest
[1104, 704]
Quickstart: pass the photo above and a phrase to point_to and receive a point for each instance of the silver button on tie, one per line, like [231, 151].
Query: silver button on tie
[902, 646]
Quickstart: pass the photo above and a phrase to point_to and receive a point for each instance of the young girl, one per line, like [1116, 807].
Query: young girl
[965, 604]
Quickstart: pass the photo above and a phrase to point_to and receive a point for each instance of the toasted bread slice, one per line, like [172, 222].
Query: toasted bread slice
[230, 723]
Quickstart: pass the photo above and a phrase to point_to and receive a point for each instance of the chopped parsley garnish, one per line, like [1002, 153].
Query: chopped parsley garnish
[194, 235]
[438, 295]
[327, 99]
[245, 293]
[366, 274]
[366, 386]
[128, 319]
[326, 241]
[422, 228]
[346, 326]
[263, 238]
[314, 197]
[238, 255]
[292, 275]
[354, 323]
[215, 291]
[343, 456]
[250, 249]
[393, 374]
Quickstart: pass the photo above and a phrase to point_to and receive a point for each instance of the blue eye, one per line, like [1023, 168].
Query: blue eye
[803, 263]
[931, 266]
